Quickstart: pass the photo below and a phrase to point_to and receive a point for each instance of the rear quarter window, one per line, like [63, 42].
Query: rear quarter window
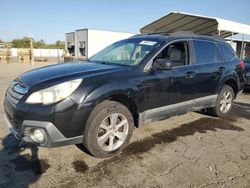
[226, 52]
[205, 52]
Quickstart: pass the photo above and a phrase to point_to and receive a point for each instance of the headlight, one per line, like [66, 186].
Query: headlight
[55, 93]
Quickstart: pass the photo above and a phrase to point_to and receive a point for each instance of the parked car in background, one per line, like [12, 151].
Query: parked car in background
[247, 71]
[133, 82]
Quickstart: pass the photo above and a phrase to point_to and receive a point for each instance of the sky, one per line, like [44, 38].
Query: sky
[51, 19]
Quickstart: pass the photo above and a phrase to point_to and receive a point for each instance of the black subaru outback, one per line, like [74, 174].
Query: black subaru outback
[145, 78]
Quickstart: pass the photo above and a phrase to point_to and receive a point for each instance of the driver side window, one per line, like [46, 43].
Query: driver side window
[176, 52]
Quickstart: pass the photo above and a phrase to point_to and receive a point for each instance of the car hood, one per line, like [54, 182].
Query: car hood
[65, 71]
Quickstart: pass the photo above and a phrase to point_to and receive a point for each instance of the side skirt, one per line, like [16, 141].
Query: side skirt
[168, 111]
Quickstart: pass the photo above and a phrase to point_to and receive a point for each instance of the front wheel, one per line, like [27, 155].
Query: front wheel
[224, 102]
[108, 129]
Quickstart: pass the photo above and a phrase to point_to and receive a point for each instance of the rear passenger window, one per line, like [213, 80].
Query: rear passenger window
[226, 52]
[206, 52]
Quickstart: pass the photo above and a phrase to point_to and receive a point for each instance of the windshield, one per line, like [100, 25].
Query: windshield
[126, 52]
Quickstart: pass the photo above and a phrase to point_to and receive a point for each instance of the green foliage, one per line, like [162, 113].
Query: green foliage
[39, 44]
[25, 43]
[58, 44]
[21, 43]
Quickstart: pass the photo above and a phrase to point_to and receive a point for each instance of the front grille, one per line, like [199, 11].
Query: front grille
[15, 92]
[11, 98]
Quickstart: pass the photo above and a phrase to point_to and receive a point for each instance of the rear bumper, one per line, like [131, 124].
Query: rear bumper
[53, 137]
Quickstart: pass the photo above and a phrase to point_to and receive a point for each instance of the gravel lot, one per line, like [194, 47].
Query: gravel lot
[192, 150]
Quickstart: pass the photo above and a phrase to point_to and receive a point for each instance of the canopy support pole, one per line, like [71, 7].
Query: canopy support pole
[232, 38]
[242, 46]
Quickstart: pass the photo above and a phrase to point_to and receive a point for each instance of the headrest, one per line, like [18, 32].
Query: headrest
[175, 55]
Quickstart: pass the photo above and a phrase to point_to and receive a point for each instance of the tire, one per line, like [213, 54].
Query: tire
[108, 130]
[225, 98]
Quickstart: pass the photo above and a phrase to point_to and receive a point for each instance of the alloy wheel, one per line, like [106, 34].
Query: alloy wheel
[226, 101]
[112, 132]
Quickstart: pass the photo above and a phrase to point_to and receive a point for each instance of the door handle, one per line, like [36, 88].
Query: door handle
[190, 74]
[221, 70]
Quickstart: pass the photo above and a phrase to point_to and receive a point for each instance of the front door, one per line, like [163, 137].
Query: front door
[165, 91]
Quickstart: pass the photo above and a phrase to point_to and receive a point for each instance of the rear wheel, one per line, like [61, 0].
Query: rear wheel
[108, 129]
[223, 103]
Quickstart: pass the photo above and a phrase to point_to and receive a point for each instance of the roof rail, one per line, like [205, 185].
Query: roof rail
[185, 33]
[136, 35]
[182, 33]
[158, 33]
[217, 36]
[191, 33]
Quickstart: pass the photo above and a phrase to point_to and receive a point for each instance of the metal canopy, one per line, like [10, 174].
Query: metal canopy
[177, 21]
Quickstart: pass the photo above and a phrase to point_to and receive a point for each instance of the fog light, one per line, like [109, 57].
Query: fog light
[37, 135]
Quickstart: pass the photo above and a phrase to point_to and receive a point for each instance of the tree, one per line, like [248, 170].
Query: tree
[25, 43]
[58, 44]
[39, 44]
[21, 43]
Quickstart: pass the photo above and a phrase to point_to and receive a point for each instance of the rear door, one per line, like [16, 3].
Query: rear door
[208, 70]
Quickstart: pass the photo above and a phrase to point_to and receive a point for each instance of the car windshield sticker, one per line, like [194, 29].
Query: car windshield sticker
[146, 42]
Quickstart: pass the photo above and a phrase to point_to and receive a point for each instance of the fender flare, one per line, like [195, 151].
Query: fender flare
[232, 78]
[114, 88]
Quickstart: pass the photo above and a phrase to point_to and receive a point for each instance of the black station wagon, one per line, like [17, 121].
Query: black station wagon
[144, 78]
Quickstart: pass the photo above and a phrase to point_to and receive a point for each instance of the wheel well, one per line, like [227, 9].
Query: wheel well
[129, 103]
[232, 84]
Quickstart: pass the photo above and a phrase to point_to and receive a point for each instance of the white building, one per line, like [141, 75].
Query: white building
[87, 42]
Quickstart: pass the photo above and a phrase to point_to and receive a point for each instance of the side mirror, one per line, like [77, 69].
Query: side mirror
[162, 64]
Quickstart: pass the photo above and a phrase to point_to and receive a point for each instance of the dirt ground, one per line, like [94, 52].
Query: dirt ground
[192, 150]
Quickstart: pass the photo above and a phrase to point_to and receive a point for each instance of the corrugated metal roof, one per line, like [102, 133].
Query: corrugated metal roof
[178, 21]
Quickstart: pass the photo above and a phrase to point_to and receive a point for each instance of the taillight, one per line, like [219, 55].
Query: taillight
[242, 65]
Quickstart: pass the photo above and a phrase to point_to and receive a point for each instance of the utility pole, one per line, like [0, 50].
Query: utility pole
[31, 51]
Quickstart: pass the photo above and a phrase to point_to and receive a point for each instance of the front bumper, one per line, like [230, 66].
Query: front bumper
[11, 128]
[62, 123]
[247, 84]
[53, 137]
[247, 78]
